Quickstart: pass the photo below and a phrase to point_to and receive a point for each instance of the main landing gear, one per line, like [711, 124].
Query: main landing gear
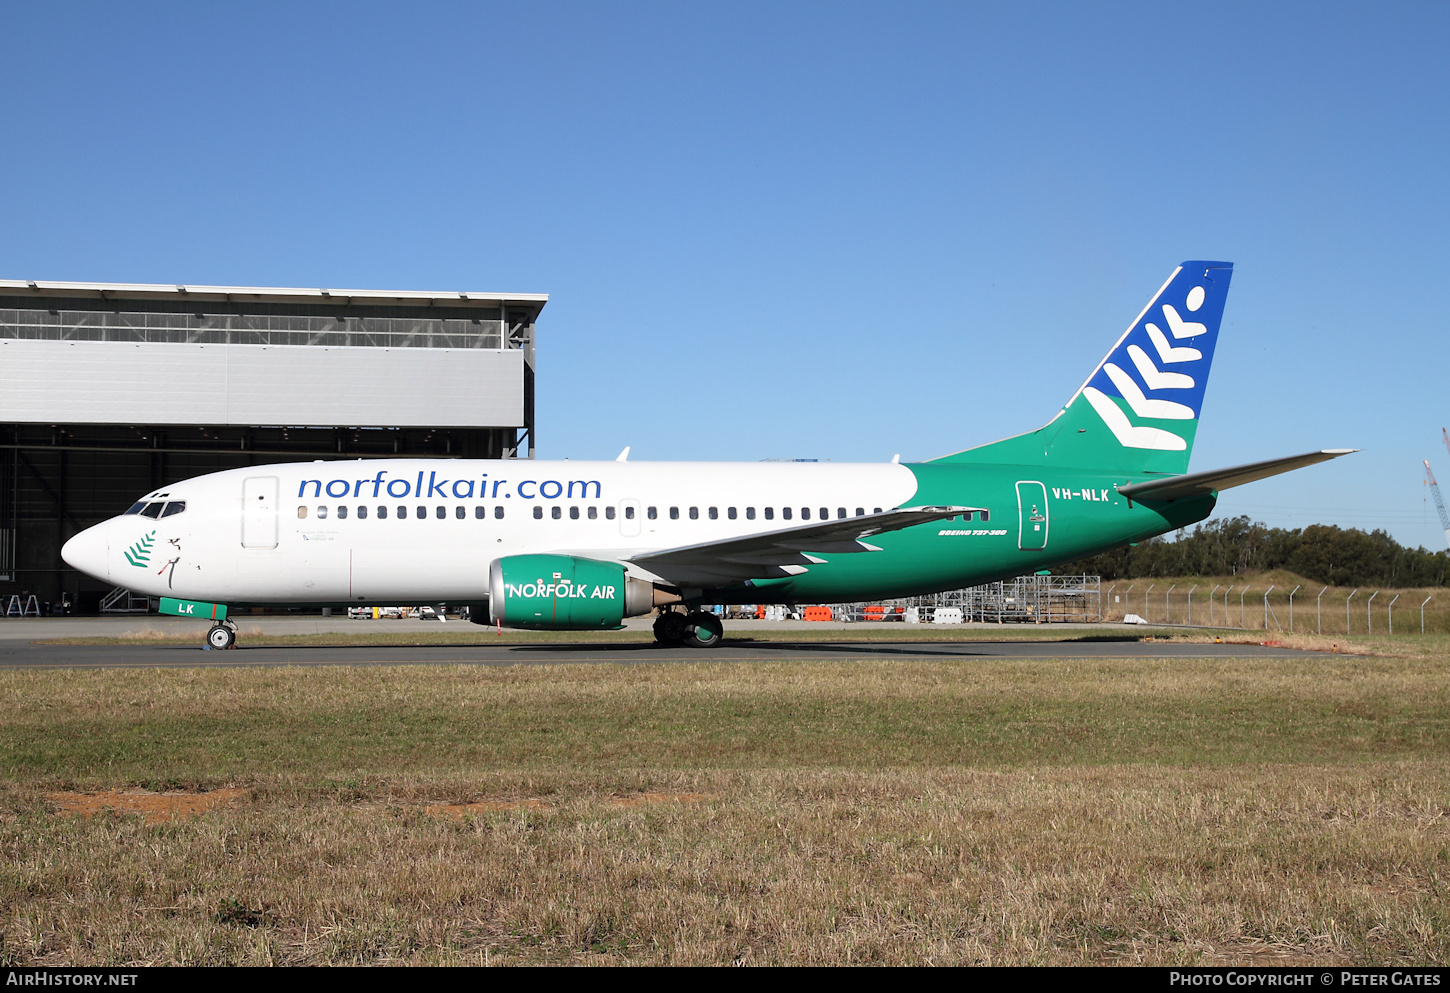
[221, 637]
[696, 629]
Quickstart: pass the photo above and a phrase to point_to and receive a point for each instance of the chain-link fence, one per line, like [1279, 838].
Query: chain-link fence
[1286, 607]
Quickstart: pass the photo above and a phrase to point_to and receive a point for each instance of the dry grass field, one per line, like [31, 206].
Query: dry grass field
[975, 811]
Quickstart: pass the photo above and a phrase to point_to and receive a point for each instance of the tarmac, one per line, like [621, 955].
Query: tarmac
[22, 645]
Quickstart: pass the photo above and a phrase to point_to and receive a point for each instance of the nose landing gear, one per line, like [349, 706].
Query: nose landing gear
[221, 637]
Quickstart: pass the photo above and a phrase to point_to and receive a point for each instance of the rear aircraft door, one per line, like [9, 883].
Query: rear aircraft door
[629, 518]
[259, 512]
[1031, 516]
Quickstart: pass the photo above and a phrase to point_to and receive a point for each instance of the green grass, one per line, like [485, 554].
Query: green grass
[107, 728]
[972, 811]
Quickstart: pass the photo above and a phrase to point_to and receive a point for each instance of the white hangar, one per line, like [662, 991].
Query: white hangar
[108, 390]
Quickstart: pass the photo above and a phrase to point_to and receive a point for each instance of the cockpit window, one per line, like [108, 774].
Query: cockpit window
[174, 507]
[136, 507]
[152, 510]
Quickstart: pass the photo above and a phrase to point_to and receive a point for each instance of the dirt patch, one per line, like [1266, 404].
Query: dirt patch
[458, 811]
[156, 808]
[642, 799]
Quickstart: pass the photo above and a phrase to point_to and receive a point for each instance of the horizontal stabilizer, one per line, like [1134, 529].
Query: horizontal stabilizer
[1199, 483]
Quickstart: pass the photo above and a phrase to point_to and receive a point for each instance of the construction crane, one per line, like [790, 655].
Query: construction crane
[1439, 504]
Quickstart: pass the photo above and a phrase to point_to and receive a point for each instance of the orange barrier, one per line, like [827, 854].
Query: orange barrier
[817, 614]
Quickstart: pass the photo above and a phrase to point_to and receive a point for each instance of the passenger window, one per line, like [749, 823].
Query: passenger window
[498, 512]
[694, 513]
[730, 513]
[153, 510]
[174, 507]
[609, 512]
[538, 513]
[480, 512]
[342, 512]
[826, 513]
[362, 513]
[750, 513]
[651, 513]
[860, 511]
[714, 513]
[422, 513]
[805, 513]
[593, 513]
[573, 513]
[135, 507]
[402, 512]
[556, 512]
[840, 513]
[440, 512]
[322, 513]
[876, 511]
[770, 513]
[784, 513]
[302, 513]
[460, 512]
[674, 513]
[382, 513]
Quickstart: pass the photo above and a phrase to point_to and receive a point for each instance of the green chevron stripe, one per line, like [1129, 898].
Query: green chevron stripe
[139, 554]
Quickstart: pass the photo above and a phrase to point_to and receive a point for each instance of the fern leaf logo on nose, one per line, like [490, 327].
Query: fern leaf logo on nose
[139, 554]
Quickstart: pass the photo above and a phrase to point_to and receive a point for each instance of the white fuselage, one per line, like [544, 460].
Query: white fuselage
[426, 530]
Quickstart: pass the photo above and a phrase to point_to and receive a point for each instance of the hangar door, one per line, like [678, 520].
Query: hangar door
[259, 512]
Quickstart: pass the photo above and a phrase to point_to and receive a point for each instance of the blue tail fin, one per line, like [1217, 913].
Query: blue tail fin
[1138, 411]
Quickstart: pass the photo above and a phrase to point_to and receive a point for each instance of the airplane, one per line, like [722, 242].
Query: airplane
[580, 545]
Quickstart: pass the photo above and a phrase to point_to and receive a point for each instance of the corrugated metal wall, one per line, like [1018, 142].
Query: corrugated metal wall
[97, 382]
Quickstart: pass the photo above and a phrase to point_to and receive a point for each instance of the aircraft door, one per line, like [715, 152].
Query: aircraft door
[1031, 516]
[629, 518]
[259, 512]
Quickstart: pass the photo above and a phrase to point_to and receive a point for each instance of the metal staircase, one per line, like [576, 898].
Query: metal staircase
[122, 601]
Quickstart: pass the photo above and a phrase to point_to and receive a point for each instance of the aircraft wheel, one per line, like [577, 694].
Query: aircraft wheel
[220, 638]
[670, 628]
[703, 630]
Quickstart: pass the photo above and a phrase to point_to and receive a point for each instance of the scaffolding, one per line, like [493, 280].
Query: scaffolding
[1024, 600]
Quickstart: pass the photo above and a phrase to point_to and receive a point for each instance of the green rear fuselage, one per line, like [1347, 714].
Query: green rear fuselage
[1082, 514]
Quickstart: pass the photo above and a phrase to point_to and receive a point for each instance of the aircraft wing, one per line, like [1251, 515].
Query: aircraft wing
[1199, 483]
[787, 552]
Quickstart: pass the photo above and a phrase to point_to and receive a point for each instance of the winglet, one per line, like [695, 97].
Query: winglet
[624, 455]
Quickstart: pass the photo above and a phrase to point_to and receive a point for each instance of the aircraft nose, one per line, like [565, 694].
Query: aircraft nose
[89, 552]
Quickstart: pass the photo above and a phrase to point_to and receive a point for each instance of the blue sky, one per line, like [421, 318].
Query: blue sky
[835, 231]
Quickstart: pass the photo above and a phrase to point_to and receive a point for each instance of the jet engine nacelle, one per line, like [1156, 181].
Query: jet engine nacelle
[565, 592]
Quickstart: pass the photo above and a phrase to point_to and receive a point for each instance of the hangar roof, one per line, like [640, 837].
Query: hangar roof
[268, 294]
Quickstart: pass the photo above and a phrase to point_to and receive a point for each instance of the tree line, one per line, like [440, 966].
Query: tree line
[1230, 546]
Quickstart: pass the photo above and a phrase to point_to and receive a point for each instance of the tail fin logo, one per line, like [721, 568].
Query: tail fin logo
[1171, 374]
